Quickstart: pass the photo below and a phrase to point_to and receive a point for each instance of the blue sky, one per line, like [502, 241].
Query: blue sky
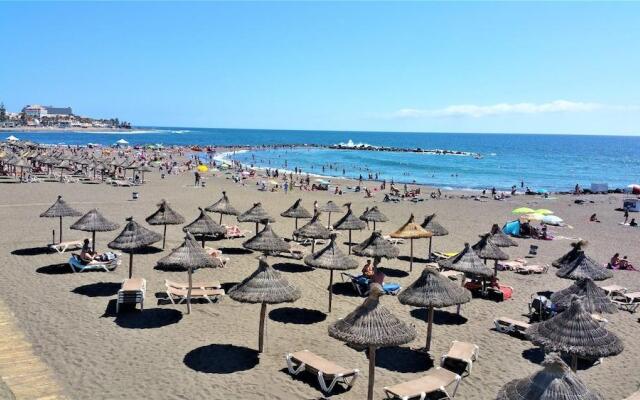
[430, 67]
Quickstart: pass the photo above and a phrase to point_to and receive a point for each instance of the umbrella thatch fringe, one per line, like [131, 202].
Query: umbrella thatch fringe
[313, 229]
[296, 211]
[222, 206]
[555, 381]
[571, 255]
[204, 226]
[432, 289]
[500, 239]
[574, 331]
[134, 236]
[265, 285]
[331, 257]
[373, 214]
[467, 261]
[411, 230]
[486, 249]
[330, 206]
[372, 324]
[594, 299]
[267, 241]
[376, 246]
[349, 222]
[93, 221]
[188, 255]
[433, 226]
[255, 214]
[60, 209]
[165, 215]
[584, 266]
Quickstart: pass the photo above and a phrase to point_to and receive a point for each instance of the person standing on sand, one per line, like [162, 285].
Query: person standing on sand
[626, 215]
[286, 187]
[197, 177]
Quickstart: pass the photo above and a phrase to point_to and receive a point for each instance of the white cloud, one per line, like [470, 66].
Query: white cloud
[478, 111]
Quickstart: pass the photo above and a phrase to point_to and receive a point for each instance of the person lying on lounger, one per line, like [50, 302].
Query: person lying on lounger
[87, 255]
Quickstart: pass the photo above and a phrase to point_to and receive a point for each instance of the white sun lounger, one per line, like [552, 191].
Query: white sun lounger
[613, 290]
[69, 245]
[462, 351]
[436, 380]
[511, 326]
[179, 293]
[77, 265]
[628, 301]
[327, 371]
[132, 292]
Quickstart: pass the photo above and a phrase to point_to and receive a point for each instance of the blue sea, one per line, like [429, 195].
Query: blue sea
[550, 162]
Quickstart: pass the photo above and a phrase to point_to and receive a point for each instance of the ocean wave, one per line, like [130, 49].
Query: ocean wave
[351, 144]
[179, 131]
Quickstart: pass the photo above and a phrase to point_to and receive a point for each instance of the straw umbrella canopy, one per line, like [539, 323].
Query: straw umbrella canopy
[499, 238]
[330, 207]
[164, 215]
[373, 215]
[372, 325]
[571, 255]
[555, 381]
[377, 247]
[487, 250]
[204, 227]
[190, 256]
[314, 229]
[433, 290]
[264, 286]
[132, 238]
[267, 241]
[594, 298]
[468, 262]
[331, 258]
[349, 222]
[94, 222]
[584, 267]
[431, 225]
[60, 209]
[410, 230]
[296, 211]
[575, 332]
[255, 214]
[222, 207]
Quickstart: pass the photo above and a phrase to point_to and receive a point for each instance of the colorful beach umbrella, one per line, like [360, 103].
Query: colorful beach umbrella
[543, 211]
[523, 210]
[203, 168]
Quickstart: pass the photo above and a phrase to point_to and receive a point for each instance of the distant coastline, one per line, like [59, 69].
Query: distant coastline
[48, 129]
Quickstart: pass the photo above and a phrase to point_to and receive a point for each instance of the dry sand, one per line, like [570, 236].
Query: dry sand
[165, 354]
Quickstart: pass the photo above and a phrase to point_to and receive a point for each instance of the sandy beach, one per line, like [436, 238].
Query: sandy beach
[163, 353]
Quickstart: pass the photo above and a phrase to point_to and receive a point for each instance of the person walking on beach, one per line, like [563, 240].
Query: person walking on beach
[626, 215]
[286, 187]
[197, 177]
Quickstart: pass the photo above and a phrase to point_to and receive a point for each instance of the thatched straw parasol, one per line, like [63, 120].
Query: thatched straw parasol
[204, 227]
[255, 214]
[570, 256]
[410, 230]
[499, 238]
[330, 207]
[349, 222]
[296, 211]
[164, 215]
[133, 237]
[222, 207]
[433, 290]
[594, 298]
[373, 215]
[264, 286]
[330, 257]
[189, 256]
[467, 261]
[487, 250]
[60, 209]
[575, 332]
[584, 267]
[377, 247]
[431, 225]
[555, 381]
[267, 241]
[94, 222]
[372, 325]
[314, 229]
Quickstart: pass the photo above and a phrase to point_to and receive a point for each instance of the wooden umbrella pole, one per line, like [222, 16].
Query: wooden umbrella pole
[313, 245]
[60, 230]
[296, 223]
[429, 255]
[203, 241]
[164, 236]
[256, 228]
[220, 219]
[130, 265]
[429, 329]
[93, 241]
[189, 291]
[330, 288]
[374, 225]
[263, 311]
[574, 362]
[411, 257]
[329, 223]
[349, 239]
[372, 371]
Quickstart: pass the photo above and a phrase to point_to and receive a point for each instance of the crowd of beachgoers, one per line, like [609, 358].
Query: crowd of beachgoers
[179, 273]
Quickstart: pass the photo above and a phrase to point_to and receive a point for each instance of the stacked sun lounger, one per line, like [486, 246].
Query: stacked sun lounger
[132, 292]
